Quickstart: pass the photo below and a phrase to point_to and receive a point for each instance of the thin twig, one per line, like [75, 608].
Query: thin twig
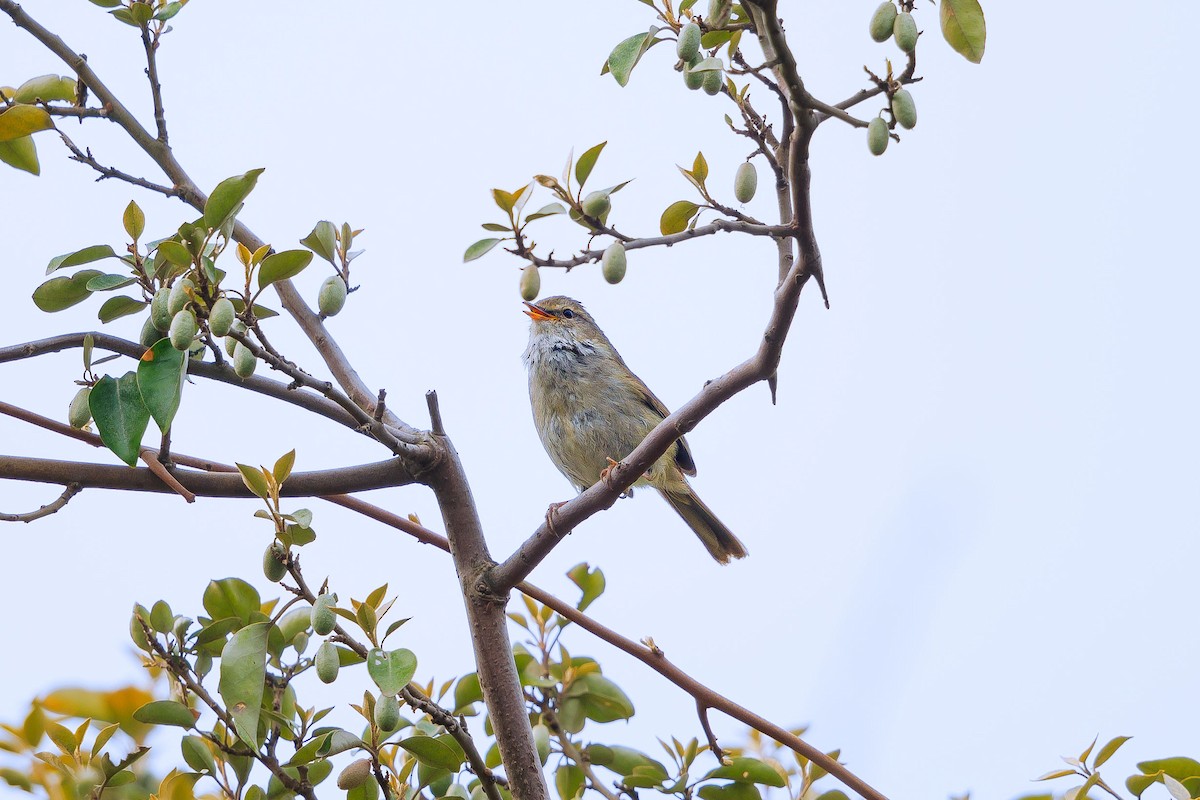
[150, 43]
[86, 157]
[70, 491]
[702, 711]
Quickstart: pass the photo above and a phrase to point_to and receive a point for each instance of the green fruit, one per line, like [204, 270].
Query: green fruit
[596, 204]
[332, 297]
[244, 361]
[273, 562]
[745, 182]
[160, 313]
[612, 263]
[294, 623]
[387, 713]
[718, 13]
[903, 108]
[687, 46]
[531, 283]
[355, 774]
[883, 21]
[231, 343]
[221, 317]
[79, 413]
[693, 80]
[905, 31]
[327, 662]
[541, 741]
[877, 136]
[713, 81]
[323, 619]
[183, 329]
[180, 296]
[300, 642]
[149, 334]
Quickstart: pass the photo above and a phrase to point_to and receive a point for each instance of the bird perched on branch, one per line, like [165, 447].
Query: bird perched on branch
[589, 408]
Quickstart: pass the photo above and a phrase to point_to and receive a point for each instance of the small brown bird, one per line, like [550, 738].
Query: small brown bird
[590, 408]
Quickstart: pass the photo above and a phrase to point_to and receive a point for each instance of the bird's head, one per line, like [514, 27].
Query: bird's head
[562, 317]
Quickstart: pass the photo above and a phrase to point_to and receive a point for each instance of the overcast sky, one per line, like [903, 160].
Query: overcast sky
[972, 516]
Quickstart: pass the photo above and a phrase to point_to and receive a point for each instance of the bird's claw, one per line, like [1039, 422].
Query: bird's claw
[550, 512]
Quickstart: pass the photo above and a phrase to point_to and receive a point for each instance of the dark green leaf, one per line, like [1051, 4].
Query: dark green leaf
[467, 691]
[168, 11]
[120, 415]
[624, 760]
[175, 253]
[748, 770]
[583, 167]
[338, 741]
[21, 154]
[260, 312]
[729, 791]
[119, 306]
[603, 701]
[231, 597]
[243, 669]
[228, 196]
[161, 374]
[322, 240]
[677, 216]
[713, 39]
[433, 752]
[108, 282]
[479, 248]
[391, 671]
[84, 256]
[197, 755]
[281, 266]
[964, 28]
[165, 712]
[496, 227]
[19, 121]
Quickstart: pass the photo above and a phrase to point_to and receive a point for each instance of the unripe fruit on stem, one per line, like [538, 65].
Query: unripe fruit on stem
[332, 297]
[323, 619]
[327, 662]
[531, 283]
[713, 81]
[300, 642]
[231, 343]
[883, 21]
[221, 317]
[273, 562]
[541, 741]
[79, 413]
[179, 296]
[183, 329]
[904, 109]
[612, 263]
[692, 80]
[745, 182]
[688, 45]
[877, 136]
[160, 313]
[387, 713]
[355, 774]
[905, 31]
[596, 204]
[244, 361]
[718, 13]
[150, 334]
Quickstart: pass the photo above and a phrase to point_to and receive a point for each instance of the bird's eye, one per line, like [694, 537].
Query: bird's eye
[568, 313]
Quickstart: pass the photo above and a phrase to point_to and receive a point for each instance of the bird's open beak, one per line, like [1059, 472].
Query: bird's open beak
[535, 313]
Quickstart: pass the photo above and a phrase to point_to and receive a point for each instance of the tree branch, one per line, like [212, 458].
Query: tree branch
[151, 47]
[46, 510]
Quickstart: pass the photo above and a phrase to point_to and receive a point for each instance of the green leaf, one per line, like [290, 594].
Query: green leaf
[85, 256]
[231, 597]
[62, 737]
[121, 418]
[21, 154]
[547, 210]
[700, 168]
[432, 752]
[47, 88]
[197, 755]
[166, 712]
[677, 216]
[625, 56]
[603, 700]
[169, 10]
[19, 121]
[108, 282]
[1179, 767]
[260, 312]
[322, 240]
[590, 581]
[583, 167]
[964, 28]
[1106, 752]
[391, 671]
[338, 741]
[243, 669]
[729, 791]
[281, 266]
[748, 770]
[161, 374]
[624, 760]
[569, 781]
[134, 220]
[283, 468]
[505, 200]
[175, 253]
[119, 306]
[467, 691]
[479, 248]
[254, 480]
[708, 65]
[224, 201]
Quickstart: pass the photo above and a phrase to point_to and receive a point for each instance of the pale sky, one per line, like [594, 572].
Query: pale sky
[971, 517]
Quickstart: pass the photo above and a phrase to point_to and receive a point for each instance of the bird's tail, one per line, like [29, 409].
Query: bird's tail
[720, 541]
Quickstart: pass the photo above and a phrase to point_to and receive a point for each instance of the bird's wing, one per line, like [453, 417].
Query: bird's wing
[683, 455]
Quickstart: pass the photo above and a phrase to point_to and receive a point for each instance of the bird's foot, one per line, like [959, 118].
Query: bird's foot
[606, 475]
[550, 513]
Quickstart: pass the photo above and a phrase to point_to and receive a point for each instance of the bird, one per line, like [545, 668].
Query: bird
[589, 408]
